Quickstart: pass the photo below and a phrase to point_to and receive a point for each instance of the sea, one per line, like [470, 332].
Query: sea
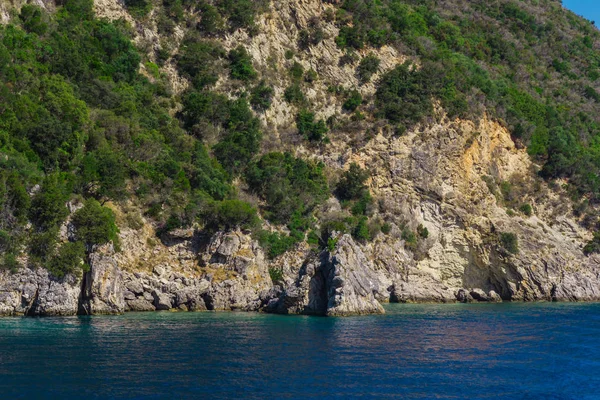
[450, 351]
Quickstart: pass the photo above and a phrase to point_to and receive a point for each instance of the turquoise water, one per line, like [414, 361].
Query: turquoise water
[506, 351]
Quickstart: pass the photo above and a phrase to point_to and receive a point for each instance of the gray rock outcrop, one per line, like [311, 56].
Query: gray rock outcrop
[103, 290]
[338, 284]
[36, 292]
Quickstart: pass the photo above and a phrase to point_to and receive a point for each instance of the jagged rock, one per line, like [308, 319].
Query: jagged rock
[191, 297]
[479, 295]
[135, 287]
[162, 301]
[36, 292]
[148, 296]
[140, 305]
[308, 295]
[158, 270]
[423, 292]
[463, 296]
[349, 281]
[339, 284]
[494, 297]
[236, 268]
[103, 291]
[129, 295]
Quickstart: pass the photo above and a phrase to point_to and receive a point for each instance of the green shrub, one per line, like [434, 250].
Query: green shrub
[231, 214]
[95, 224]
[240, 13]
[48, 206]
[241, 64]
[310, 37]
[509, 242]
[526, 209]
[352, 184]
[367, 67]
[404, 94]
[9, 262]
[42, 245]
[261, 97]
[276, 243]
[68, 260]
[386, 228]
[296, 71]
[331, 243]
[593, 246]
[410, 239]
[291, 187]
[276, 275]
[353, 101]
[311, 76]
[362, 204]
[33, 19]
[422, 231]
[312, 130]
[361, 230]
[199, 61]
[138, 8]
[211, 21]
[293, 94]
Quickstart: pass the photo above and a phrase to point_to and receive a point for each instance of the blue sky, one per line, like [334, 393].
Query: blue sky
[589, 9]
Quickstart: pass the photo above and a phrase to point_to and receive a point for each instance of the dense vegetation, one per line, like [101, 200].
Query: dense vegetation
[79, 123]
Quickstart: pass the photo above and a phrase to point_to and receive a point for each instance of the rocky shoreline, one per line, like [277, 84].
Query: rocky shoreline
[235, 276]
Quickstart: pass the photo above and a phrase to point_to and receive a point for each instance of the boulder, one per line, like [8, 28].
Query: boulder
[162, 301]
[140, 305]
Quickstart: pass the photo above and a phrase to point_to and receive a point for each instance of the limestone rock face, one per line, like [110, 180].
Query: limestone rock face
[103, 291]
[35, 292]
[349, 281]
[338, 284]
[236, 267]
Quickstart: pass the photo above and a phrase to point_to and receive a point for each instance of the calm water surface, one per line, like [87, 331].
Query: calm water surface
[507, 351]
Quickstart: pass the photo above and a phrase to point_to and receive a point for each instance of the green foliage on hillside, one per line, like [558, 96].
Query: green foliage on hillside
[95, 224]
[79, 120]
[291, 187]
[524, 62]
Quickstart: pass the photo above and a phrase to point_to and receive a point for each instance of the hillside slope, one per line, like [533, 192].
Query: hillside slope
[296, 156]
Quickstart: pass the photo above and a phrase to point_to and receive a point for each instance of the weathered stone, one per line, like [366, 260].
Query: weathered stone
[103, 292]
[140, 305]
[135, 287]
[36, 292]
[162, 301]
[349, 281]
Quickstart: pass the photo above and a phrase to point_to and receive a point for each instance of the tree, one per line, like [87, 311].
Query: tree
[367, 68]
[95, 224]
[241, 64]
[309, 128]
[352, 184]
[48, 206]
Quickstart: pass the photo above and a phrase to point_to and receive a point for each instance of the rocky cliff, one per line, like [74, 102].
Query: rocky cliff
[450, 180]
